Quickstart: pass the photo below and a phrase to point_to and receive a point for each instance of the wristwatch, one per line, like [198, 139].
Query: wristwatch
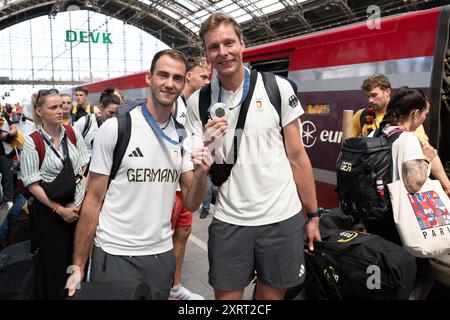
[316, 214]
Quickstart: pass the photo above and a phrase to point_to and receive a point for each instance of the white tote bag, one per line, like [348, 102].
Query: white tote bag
[422, 218]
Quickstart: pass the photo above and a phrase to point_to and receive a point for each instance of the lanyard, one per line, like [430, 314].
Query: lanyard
[152, 123]
[50, 145]
[245, 90]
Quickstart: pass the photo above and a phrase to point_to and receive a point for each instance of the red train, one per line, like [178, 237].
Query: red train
[329, 67]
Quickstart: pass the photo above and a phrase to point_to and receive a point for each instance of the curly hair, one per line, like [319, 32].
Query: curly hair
[376, 80]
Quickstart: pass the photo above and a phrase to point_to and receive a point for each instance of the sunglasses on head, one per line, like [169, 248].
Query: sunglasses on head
[45, 92]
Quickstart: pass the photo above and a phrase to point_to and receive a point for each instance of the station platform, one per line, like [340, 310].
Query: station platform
[195, 268]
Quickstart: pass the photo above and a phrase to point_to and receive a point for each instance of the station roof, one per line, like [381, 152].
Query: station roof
[177, 22]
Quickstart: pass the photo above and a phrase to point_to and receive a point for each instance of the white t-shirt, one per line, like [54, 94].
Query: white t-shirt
[90, 135]
[135, 217]
[261, 188]
[412, 151]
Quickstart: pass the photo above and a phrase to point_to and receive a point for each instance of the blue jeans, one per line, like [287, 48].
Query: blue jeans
[14, 213]
[209, 193]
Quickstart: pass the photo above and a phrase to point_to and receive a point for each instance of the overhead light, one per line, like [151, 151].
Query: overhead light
[73, 7]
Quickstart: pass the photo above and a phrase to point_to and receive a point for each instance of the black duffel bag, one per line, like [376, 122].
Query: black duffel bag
[355, 265]
[367, 266]
[123, 290]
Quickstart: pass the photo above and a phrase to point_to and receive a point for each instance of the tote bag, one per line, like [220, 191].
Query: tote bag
[422, 218]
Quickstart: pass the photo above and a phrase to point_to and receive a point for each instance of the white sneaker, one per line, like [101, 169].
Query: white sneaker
[9, 204]
[184, 294]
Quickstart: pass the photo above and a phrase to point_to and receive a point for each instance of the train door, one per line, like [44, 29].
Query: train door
[440, 91]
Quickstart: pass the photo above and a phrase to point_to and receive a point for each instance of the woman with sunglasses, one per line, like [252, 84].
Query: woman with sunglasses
[51, 164]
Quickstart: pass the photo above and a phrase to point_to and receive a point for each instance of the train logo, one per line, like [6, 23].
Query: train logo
[309, 135]
[307, 132]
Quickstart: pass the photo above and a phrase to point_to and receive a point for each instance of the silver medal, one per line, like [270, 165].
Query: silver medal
[219, 110]
[192, 143]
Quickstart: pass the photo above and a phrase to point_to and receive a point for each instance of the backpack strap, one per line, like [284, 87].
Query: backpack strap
[123, 138]
[87, 125]
[180, 130]
[362, 117]
[270, 84]
[99, 120]
[391, 137]
[273, 91]
[40, 146]
[70, 134]
[204, 101]
[243, 113]
[394, 134]
[129, 106]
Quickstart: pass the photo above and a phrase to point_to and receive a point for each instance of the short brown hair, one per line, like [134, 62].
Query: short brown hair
[215, 20]
[83, 89]
[197, 62]
[175, 54]
[376, 80]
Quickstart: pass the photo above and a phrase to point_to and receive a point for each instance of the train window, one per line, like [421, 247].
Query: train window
[279, 65]
[318, 109]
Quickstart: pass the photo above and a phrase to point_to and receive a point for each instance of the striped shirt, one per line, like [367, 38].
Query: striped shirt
[52, 166]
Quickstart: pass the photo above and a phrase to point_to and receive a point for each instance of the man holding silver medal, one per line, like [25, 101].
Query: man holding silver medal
[127, 220]
[257, 225]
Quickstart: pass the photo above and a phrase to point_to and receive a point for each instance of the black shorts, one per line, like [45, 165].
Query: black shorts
[274, 251]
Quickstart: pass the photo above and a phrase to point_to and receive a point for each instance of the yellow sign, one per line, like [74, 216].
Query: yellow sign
[318, 109]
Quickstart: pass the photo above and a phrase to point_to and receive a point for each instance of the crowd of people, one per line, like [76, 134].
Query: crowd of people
[129, 217]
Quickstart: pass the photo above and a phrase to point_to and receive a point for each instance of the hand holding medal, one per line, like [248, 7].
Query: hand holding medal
[200, 155]
[192, 143]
